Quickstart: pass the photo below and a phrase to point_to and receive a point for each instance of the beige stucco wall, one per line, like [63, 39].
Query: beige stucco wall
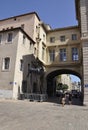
[12, 78]
[22, 50]
[42, 44]
[8, 50]
[68, 43]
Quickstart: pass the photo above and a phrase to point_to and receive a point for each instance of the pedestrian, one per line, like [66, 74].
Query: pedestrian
[67, 98]
[63, 99]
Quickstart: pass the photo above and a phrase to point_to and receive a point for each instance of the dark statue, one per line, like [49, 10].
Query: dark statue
[36, 69]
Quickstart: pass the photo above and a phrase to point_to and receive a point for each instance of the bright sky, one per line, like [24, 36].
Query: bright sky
[74, 78]
[56, 13]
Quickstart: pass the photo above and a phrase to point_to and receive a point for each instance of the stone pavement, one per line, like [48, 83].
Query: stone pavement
[25, 115]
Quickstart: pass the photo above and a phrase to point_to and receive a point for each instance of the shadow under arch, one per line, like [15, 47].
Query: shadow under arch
[54, 73]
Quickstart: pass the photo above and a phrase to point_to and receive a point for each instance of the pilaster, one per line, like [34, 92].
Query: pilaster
[85, 70]
[84, 40]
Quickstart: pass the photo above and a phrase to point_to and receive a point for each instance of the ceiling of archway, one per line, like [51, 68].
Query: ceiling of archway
[55, 73]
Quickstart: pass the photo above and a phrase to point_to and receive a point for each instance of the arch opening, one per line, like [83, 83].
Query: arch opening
[65, 81]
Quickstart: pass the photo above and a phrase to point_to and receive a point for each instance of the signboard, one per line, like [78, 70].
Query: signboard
[86, 85]
[13, 83]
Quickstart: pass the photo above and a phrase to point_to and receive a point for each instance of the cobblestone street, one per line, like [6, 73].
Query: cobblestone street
[25, 115]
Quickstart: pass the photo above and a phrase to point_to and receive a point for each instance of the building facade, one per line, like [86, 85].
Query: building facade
[61, 51]
[64, 79]
[14, 44]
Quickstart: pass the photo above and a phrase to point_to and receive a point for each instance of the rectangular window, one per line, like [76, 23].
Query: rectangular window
[52, 39]
[43, 53]
[6, 63]
[74, 36]
[52, 55]
[21, 65]
[10, 36]
[63, 54]
[43, 37]
[31, 46]
[37, 29]
[0, 39]
[62, 38]
[75, 55]
[24, 39]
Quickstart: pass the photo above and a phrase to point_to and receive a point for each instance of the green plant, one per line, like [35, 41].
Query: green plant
[61, 86]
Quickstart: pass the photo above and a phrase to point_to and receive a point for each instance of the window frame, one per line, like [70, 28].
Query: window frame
[31, 46]
[21, 64]
[6, 66]
[74, 37]
[24, 39]
[43, 53]
[63, 55]
[62, 38]
[9, 38]
[75, 54]
[44, 37]
[51, 55]
[52, 39]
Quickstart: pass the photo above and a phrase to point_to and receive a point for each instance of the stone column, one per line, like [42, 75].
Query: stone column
[85, 70]
[83, 8]
[84, 16]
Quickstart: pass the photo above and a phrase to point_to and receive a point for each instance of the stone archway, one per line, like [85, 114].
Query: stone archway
[52, 74]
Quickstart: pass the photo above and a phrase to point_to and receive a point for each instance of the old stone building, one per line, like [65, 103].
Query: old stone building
[27, 44]
[15, 43]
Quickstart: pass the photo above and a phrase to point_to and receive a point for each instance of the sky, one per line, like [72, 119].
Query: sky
[74, 78]
[56, 13]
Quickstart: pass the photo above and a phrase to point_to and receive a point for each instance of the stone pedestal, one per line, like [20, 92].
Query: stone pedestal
[36, 97]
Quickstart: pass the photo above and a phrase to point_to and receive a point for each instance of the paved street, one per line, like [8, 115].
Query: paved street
[25, 115]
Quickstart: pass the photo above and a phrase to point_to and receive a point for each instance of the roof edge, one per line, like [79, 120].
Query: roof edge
[64, 28]
[21, 16]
